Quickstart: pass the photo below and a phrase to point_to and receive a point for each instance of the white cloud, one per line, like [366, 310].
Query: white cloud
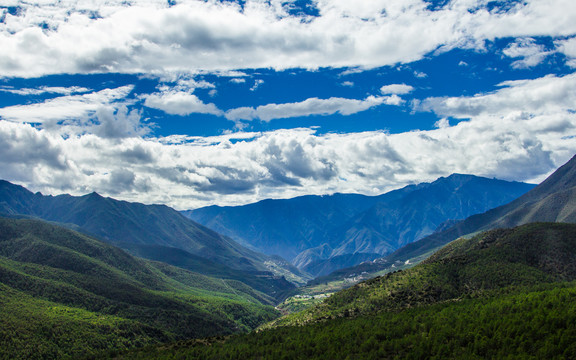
[519, 132]
[568, 48]
[179, 103]
[148, 36]
[46, 89]
[118, 123]
[311, 106]
[502, 137]
[532, 54]
[72, 107]
[399, 89]
[257, 84]
[442, 123]
[545, 95]
[284, 163]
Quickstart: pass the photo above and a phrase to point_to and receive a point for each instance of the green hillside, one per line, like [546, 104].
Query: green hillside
[532, 323]
[506, 293]
[66, 294]
[527, 255]
[136, 226]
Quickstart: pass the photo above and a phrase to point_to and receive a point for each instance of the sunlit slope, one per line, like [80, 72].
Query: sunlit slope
[52, 275]
[528, 255]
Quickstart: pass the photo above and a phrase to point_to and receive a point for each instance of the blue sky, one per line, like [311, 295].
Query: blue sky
[192, 103]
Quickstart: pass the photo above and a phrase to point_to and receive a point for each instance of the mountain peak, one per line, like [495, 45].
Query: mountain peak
[551, 201]
[94, 194]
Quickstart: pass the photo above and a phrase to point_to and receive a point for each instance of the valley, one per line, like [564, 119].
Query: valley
[287, 179]
[131, 297]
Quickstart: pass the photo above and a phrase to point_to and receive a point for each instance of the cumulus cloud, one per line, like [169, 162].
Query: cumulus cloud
[177, 102]
[568, 48]
[399, 89]
[118, 123]
[442, 123]
[155, 37]
[520, 132]
[285, 163]
[528, 50]
[311, 106]
[500, 137]
[545, 95]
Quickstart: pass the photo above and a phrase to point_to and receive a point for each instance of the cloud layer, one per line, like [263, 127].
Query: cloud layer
[78, 140]
[501, 137]
[154, 37]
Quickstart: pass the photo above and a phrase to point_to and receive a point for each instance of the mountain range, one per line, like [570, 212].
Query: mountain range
[156, 232]
[320, 234]
[496, 292]
[68, 294]
[505, 293]
[554, 200]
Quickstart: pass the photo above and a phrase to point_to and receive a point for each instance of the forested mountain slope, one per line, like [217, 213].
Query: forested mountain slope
[502, 294]
[527, 255]
[137, 227]
[63, 293]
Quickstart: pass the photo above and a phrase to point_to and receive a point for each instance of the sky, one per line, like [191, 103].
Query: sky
[193, 103]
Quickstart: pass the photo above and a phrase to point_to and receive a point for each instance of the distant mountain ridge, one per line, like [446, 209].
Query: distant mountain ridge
[554, 200]
[320, 234]
[134, 225]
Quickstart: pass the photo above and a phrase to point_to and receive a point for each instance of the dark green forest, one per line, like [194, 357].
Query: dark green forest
[516, 323]
[63, 294]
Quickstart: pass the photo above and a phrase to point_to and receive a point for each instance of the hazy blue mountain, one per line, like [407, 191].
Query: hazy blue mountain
[554, 200]
[132, 225]
[319, 234]
[283, 227]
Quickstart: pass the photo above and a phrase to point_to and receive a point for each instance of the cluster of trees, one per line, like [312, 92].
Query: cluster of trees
[531, 323]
